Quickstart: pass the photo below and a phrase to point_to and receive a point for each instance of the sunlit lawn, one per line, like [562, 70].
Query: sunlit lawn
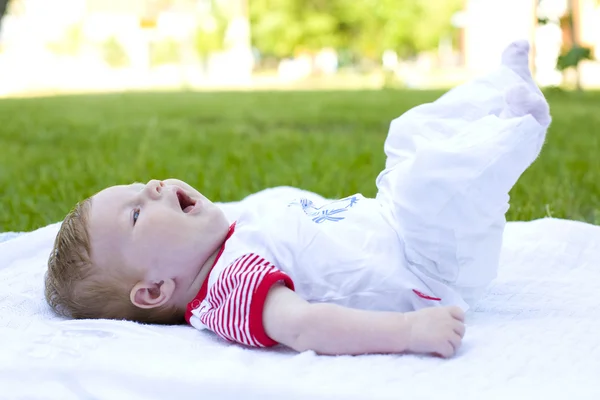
[56, 151]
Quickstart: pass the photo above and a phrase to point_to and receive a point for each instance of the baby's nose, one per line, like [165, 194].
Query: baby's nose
[154, 188]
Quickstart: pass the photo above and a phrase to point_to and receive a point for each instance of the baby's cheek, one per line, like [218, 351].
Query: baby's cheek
[171, 230]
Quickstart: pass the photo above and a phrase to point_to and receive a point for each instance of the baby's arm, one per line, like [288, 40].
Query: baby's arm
[335, 330]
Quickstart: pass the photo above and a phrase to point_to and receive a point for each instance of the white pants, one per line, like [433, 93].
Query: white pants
[450, 166]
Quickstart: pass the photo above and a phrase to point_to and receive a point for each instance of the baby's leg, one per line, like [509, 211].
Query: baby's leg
[448, 201]
[456, 109]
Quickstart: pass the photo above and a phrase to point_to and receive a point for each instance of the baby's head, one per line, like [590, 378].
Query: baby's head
[136, 252]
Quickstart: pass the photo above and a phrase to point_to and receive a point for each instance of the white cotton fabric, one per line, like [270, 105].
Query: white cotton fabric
[533, 334]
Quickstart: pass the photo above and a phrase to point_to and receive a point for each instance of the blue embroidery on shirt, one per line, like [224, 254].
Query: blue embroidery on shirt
[329, 212]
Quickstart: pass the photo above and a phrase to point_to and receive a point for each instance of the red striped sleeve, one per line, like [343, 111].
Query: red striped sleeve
[235, 302]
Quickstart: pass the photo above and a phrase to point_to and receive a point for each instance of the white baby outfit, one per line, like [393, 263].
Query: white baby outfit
[432, 236]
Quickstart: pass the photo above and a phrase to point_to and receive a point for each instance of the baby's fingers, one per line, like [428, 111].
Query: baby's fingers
[445, 350]
[457, 313]
[455, 340]
[459, 329]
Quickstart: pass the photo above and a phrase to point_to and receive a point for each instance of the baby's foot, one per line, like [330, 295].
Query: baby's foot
[520, 100]
[516, 58]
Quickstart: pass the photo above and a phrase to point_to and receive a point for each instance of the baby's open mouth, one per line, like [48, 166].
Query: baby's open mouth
[185, 202]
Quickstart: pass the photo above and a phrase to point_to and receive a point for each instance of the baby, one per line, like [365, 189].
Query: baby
[393, 274]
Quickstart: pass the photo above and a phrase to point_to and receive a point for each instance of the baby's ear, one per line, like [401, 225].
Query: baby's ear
[152, 294]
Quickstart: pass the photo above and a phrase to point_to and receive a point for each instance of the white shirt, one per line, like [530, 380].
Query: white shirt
[343, 252]
[431, 237]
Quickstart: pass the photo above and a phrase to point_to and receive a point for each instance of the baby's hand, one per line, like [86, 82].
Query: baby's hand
[436, 330]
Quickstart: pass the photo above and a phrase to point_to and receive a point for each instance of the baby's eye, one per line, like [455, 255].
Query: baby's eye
[136, 215]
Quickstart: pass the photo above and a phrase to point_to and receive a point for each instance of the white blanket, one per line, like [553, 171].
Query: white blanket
[535, 335]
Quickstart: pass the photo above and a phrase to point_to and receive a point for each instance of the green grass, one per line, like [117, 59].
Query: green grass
[56, 151]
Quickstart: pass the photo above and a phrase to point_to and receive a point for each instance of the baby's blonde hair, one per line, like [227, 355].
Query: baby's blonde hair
[76, 288]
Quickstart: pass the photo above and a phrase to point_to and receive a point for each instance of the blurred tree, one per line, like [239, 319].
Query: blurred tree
[70, 41]
[281, 27]
[572, 52]
[114, 54]
[368, 27]
[210, 34]
[406, 26]
[3, 7]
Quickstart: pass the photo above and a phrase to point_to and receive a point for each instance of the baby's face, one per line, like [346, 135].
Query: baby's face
[163, 229]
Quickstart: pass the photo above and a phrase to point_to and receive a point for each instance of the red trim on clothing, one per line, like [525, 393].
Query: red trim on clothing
[195, 303]
[257, 306]
[424, 296]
